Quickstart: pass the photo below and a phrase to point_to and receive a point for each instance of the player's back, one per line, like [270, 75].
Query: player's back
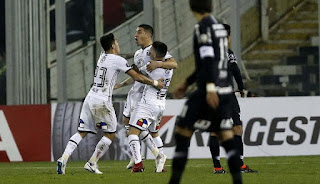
[151, 95]
[210, 41]
[105, 75]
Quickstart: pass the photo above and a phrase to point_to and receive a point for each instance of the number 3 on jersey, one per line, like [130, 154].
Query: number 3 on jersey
[99, 76]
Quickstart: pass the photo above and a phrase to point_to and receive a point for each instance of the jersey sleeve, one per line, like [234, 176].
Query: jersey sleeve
[235, 70]
[123, 65]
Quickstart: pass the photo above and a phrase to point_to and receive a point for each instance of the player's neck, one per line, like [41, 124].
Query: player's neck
[147, 44]
[111, 51]
[199, 16]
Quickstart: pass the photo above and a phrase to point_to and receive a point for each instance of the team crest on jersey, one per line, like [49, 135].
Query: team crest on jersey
[148, 53]
[142, 122]
[203, 38]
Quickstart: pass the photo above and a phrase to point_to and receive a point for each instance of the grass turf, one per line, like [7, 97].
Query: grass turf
[272, 170]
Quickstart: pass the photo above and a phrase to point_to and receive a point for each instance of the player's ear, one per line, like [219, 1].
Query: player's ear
[112, 46]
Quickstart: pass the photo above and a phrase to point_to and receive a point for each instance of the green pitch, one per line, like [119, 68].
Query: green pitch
[272, 170]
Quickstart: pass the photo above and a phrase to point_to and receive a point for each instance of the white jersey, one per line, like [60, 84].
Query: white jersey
[151, 95]
[105, 75]
[141, 58]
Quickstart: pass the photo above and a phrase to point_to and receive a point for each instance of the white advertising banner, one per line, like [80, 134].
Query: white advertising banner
[277, 126]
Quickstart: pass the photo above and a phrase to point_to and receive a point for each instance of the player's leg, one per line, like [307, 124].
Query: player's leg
[183, 133]
[148, 140]
[224, 125]
[182, 137]
[101, 148]
[127, 111]
[233, 157]
[125, 121]
[215, 153]
[71, 146]
[105, 119]
[238, 131]
[83, 130]
[135, 147]
[161, 158]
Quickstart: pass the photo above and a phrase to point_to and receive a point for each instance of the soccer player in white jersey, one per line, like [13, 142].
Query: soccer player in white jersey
[147, 115]
[98, 104]
[142, 57]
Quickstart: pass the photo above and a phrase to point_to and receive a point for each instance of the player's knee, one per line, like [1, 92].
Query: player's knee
[110, 135]
[184, 131]
[226, 135]
[133, 130]
[154, 134]
[83, 134]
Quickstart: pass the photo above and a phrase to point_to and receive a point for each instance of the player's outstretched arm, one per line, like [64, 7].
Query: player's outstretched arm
[124, 83]
[168, 64]
[143, 79]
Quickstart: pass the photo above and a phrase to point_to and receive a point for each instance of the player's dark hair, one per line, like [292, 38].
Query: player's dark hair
[106, 41]
[160, 49]
[228, 28]
[147, 28]
[201, 6]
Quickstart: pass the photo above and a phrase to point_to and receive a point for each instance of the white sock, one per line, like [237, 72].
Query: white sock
[135, 148]
[159, 143]
[148, 140]
[71, 146]
[101, 148]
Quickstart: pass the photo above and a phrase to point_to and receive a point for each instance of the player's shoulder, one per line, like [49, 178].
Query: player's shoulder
[139, 51]
[116, 57]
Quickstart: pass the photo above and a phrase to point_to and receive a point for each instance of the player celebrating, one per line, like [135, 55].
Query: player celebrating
[98, 104]
[237, 126]
[142, 57]
[208, 108]
[148, 113]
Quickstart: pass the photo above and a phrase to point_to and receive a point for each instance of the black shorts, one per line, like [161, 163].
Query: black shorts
[197, 114]
[235, 111]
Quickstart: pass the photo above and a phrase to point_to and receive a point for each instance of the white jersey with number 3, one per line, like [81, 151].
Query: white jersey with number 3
[105, 75]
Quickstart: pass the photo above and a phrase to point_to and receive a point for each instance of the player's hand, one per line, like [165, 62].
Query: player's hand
[180, 91]
[213, 99]
[161, 83]
[242, 93]
[152, 66]
[117, 86]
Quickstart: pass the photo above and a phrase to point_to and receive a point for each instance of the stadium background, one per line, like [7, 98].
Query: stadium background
[48, 53]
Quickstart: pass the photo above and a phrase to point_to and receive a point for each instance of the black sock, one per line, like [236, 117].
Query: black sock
[215, 150]
[180, 158]
[239, 145]
[233, 160]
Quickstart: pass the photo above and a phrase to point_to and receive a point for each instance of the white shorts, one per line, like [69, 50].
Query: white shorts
[97, 114]
[147, 117]
[132, 99]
